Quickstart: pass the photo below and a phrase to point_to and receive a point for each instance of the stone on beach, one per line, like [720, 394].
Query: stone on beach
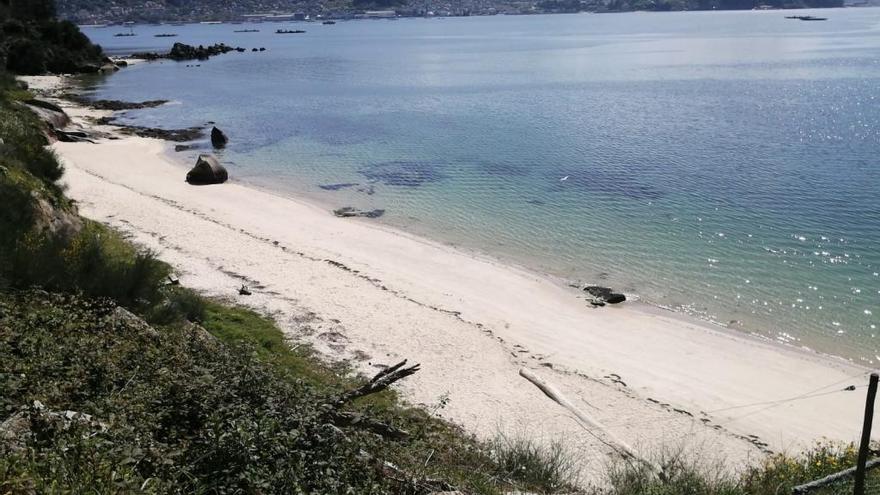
[605, 294]
[207, 171]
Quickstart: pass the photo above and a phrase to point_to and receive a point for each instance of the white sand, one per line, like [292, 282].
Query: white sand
[471, 322]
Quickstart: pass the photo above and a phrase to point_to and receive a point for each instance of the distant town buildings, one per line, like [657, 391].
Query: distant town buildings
[117, 11]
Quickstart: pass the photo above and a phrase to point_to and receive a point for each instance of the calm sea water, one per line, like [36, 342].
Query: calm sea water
[726, 164]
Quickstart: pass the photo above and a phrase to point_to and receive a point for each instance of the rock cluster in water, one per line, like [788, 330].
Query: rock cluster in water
[182, 51]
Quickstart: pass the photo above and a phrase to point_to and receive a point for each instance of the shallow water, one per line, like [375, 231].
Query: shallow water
[721, 163]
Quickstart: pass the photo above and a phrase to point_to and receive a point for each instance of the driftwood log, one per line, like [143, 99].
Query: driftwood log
[588, 422]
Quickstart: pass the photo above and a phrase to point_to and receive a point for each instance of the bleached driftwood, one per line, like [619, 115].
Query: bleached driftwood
[588, 422]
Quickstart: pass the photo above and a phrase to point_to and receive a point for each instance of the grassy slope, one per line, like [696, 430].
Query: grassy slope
[172, 410]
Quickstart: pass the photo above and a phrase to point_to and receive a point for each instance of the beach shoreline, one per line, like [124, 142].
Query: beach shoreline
[369, 294]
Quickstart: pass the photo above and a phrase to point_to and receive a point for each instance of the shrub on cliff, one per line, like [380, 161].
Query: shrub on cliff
[32, 41]
[167, 411]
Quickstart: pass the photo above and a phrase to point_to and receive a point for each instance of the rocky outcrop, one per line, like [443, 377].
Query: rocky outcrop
[56, 222]
[218, 138]
[49, 113]
[182, 51]
[113, 105]
[348, 212]
[207, 171]
[603, 295]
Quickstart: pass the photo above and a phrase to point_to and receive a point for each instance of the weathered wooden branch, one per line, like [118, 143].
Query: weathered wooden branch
[831, 478]
[380, 382]
[588, 422]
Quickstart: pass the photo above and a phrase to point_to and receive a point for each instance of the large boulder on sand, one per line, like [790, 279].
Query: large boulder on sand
[48, 112]
[207, 171]
[218, 139]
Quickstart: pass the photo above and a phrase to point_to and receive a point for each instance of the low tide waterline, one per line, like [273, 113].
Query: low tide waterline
[724, 164]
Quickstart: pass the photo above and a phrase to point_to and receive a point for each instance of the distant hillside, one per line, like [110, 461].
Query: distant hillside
[32, 41]
[104, 11]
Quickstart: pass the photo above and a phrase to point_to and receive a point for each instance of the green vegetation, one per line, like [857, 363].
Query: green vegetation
[32, 41]
[778, 474]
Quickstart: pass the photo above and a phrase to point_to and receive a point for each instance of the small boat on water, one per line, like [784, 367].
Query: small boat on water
[165, 35]
[124, 35]
[328, 22]
[246, 31]
[806, 18]
[289, 31]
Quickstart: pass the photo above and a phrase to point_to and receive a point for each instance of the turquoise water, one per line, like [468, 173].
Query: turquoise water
[726, 164]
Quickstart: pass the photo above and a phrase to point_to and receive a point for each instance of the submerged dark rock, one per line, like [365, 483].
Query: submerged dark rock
[610, 182]
[207, 171]
[336, 187]
[218, 139]
[348, 211]
[403, 173]
[174, 135]
[113, 105]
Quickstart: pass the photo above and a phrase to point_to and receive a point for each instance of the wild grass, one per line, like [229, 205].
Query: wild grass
[687, 473]
[549, 468]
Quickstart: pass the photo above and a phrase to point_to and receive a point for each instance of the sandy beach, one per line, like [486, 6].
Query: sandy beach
[365, 293]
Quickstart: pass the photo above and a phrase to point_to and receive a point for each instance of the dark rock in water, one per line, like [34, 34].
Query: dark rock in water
[174, 135]
[218, 139]
[182, 51]
[184, 147]
[255, 49]
[113, 105]
[348, 212]
[336, 187]
[121, 63]
[604, 294]
[116, 105]
[207, 171]
[262, 49]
